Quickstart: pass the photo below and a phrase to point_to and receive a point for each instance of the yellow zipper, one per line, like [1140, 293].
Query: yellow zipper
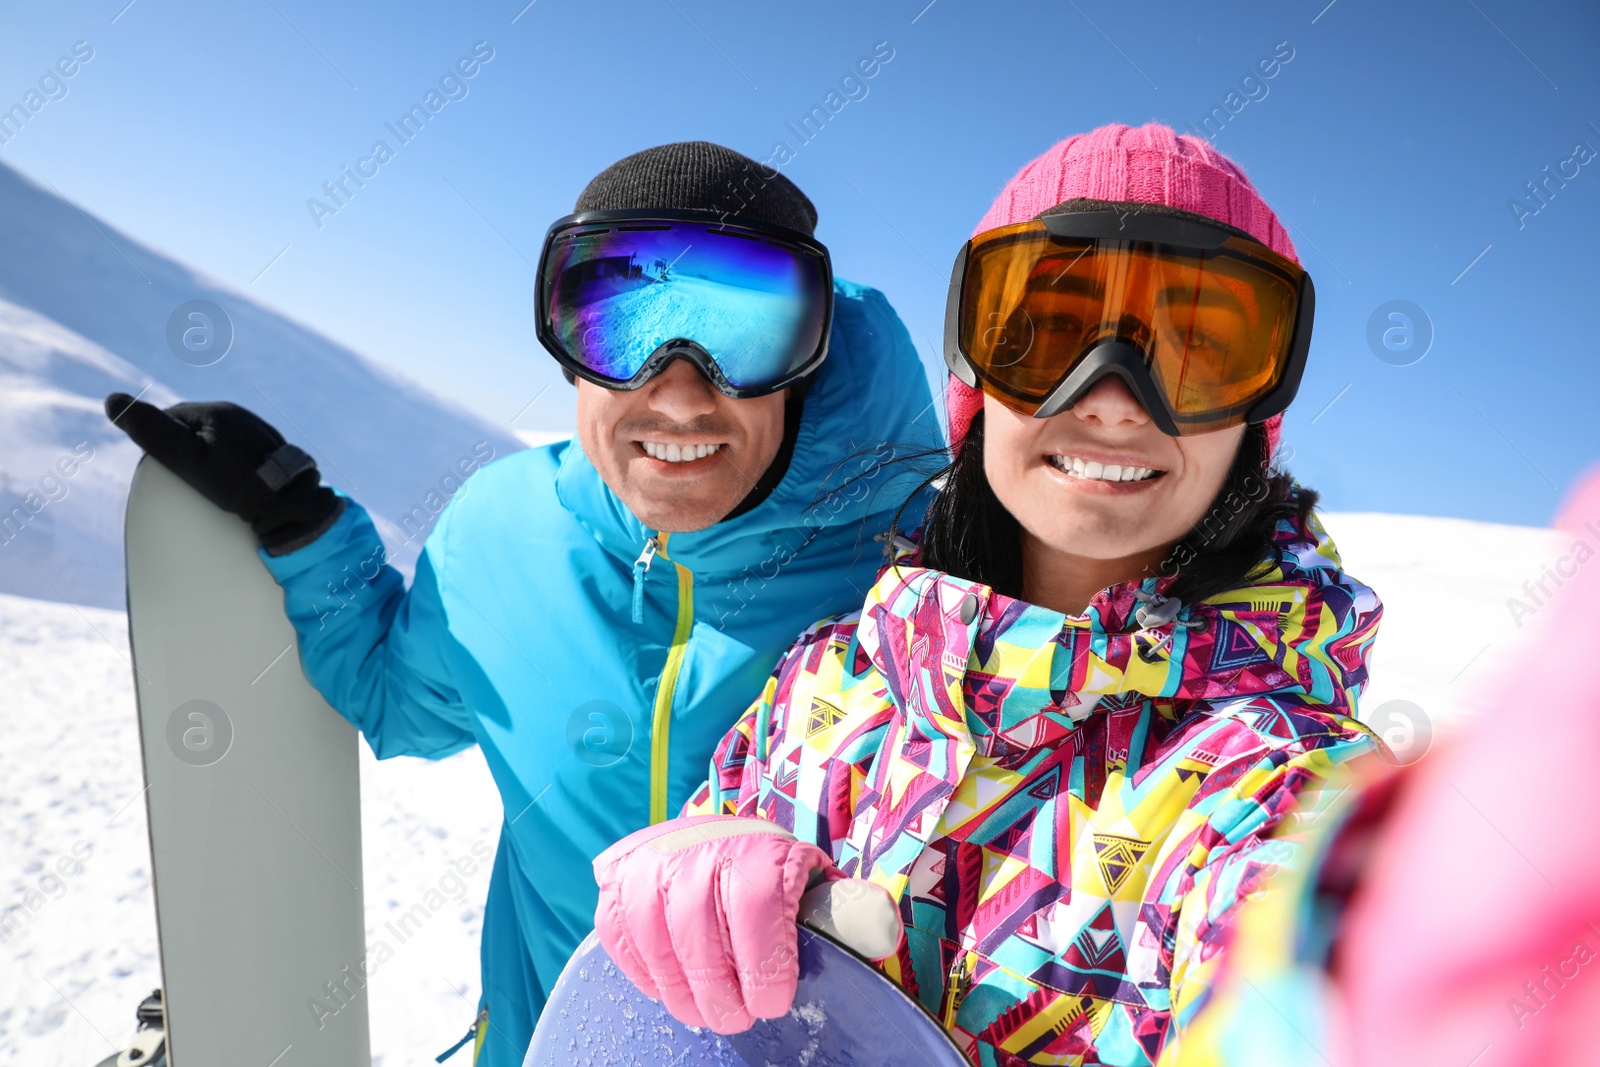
[958, 987]
[483, 1032]
[661, 722]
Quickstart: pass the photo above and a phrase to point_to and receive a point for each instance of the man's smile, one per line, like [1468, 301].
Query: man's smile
[679, 452]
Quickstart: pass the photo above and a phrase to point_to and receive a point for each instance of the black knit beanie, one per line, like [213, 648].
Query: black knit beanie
[700, 176]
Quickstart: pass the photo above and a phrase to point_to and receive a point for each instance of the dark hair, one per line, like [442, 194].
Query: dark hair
[969, 533]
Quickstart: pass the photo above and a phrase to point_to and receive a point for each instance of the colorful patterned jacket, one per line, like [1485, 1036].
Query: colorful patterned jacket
[1068, 809]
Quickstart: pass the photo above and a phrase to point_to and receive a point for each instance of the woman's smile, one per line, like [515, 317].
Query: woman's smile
[1086, 471]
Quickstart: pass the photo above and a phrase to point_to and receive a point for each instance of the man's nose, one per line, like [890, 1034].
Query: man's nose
[681, 392]
[1109, 402]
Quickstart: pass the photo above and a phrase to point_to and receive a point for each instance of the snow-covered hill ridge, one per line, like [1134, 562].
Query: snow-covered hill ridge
[1447, 587]
[85, 311]
[77, 924]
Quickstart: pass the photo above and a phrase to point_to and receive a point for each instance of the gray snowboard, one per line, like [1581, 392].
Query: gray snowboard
[253, 796]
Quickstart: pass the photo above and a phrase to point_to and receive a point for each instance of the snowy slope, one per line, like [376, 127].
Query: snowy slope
[83, 950]
[78, 945]
[84, 311]
[1444, 584]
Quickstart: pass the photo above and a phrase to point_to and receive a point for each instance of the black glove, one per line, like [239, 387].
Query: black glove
[236, 460]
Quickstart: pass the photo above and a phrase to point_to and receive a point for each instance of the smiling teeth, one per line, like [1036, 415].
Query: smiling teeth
[676, 453]
[1093, 470]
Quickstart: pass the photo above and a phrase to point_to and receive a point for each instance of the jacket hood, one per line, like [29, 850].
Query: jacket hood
[1003, 676]
[868, 404]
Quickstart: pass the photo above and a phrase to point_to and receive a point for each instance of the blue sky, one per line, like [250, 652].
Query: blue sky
[1393, 142]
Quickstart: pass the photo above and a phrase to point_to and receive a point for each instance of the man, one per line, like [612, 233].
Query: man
[596, 614]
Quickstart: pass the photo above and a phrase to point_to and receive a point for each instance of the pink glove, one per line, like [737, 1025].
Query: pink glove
[699, 913]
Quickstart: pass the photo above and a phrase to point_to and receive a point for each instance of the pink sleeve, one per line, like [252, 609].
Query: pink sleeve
[1476, 937]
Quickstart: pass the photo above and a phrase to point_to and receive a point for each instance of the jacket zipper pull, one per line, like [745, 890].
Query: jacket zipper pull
[641, 567]
[960, 983]
[472, 1032]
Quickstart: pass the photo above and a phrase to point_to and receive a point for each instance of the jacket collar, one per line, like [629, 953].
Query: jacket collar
[973, 672]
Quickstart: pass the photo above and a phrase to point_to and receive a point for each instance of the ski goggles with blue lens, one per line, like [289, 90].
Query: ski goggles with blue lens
[621, 294]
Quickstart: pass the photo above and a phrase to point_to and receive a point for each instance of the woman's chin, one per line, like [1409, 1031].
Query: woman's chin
[1096, 538]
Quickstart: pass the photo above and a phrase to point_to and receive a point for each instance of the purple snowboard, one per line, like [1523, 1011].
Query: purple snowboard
[845, 1014]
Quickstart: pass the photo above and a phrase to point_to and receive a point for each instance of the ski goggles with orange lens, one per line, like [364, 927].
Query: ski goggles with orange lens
[1208, 328]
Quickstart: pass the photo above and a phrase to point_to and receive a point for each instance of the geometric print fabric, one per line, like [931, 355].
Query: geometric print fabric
[1068, 826]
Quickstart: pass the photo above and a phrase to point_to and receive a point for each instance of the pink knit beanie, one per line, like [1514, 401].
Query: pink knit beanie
[1148, 165]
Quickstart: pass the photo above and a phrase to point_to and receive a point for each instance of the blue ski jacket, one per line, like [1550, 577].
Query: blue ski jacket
[596, 676]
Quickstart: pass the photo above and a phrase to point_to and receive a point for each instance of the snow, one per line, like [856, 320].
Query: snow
[78, 944]
[81, 950]
[536, 438]
[1447, 629]
[84, 311]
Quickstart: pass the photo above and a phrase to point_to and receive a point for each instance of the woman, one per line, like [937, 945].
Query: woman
[1059, 736]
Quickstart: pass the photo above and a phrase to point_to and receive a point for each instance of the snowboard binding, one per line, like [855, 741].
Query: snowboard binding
[149, 1045]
